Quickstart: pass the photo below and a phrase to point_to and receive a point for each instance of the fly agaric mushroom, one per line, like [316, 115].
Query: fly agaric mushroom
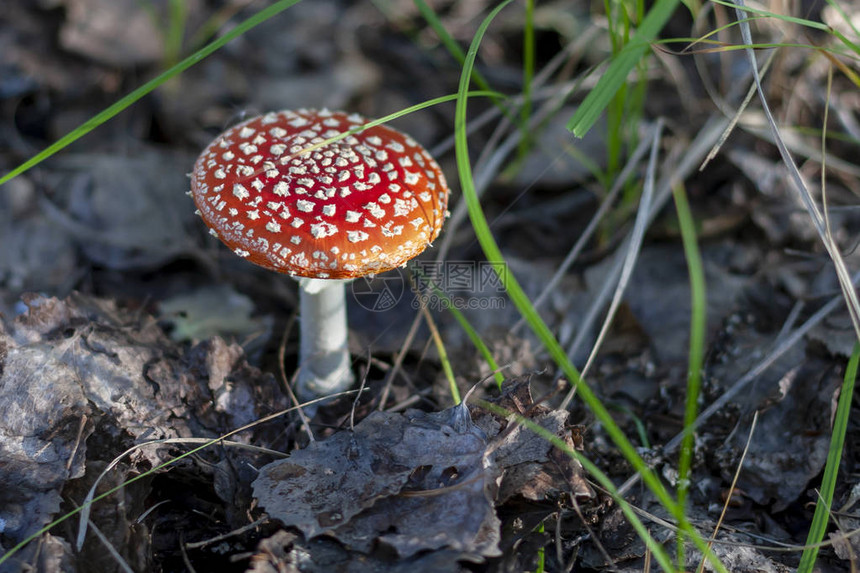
[277, 195]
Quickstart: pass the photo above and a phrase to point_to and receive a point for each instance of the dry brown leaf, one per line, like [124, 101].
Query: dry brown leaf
[383, 481]
[418, 482]
[71, 367]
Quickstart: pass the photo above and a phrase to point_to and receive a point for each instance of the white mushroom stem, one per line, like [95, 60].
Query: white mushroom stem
[324, 363]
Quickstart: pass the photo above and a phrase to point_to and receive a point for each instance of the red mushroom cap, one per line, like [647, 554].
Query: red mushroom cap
[364, 204]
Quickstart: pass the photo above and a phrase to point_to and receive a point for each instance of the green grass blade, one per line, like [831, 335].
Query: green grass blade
[852, 46]
[821, 27]
[541, 554]
[834, 456]
[178, 15]
[768, 14]
[846, 18]
[443, 355]
[474, 337]
[521, 301]
[479, 344]
[164, 465]
[466, 326]
[656, 549]
[597, 100]
[380, 121]
[800, 187]
[641, 431]
[512, 287]
[149, 86]
[698, 305]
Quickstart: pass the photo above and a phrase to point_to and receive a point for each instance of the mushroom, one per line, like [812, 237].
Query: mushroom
[276, 192]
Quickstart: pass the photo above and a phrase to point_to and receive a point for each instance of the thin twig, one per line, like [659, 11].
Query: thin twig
[185, 558]
[590, 229]
[228, 535]
[745, 380]
[731, 490]
[81, 426]
[800, 187]
[88, 501]
[675, 169]
[358, 395]
[637, 236]
[286, 383]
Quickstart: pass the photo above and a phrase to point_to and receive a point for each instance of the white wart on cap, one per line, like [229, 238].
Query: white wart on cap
[362, 205]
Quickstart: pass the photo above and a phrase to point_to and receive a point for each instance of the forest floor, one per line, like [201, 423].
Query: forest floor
[130, 337]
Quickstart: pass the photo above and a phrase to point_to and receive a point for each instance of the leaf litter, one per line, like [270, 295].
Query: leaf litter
[81, 380]
[98, 377]
[377, 484]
